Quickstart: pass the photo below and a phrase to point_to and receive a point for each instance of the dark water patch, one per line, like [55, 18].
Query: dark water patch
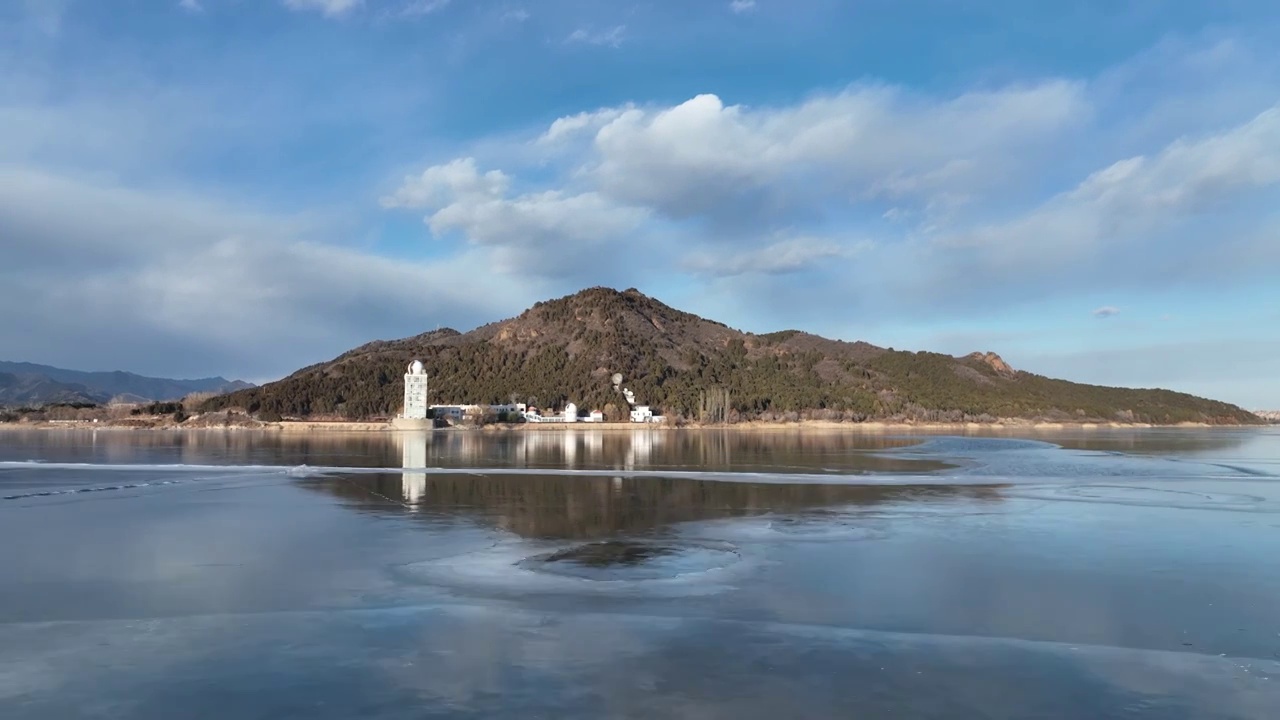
[583, 507]
[611, 552]
[632, 560]
[84, 490]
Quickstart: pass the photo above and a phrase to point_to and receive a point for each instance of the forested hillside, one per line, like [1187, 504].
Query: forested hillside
[567, 349]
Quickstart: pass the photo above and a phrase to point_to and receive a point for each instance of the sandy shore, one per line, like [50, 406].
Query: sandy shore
[318, 426]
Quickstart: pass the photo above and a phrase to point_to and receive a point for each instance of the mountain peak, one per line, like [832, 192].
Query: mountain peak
[566, 349]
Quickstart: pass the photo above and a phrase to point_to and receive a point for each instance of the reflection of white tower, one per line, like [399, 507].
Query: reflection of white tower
[593, 442]
[414, 455]
[415, 392]
[640, 451]
[570, 449]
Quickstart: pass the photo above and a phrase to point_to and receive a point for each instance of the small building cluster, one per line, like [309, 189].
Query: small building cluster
[416, 407]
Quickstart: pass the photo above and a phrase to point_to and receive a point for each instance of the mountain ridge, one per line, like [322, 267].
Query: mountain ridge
[567, 348]
[32, 383]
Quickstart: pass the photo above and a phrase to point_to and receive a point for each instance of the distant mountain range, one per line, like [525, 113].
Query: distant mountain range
[23, 383]
[690, 367]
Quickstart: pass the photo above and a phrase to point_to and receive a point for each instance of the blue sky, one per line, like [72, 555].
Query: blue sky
[244, 187]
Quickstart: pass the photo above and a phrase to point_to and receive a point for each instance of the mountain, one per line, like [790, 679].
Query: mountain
[31, 384]
[39, 390]
[567, 349]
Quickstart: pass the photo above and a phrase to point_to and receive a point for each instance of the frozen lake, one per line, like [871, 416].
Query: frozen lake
[689, 574]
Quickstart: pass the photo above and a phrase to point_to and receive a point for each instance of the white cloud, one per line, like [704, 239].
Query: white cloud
[329, 8]
[442, 184]
[782, 257]
[574, 126]
[1136, 201]
[611, 37]
[390, 9]
[933, 188]
[423, 7]
[518, 15]
[864, 143]
[171, 283]
[531, 232]
[192, 6]
[876, 199]
[1106, 311]
[742, 6]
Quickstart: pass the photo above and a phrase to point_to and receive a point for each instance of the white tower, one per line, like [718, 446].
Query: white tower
[415, 392]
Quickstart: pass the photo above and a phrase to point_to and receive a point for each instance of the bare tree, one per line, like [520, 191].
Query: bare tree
[715, 405]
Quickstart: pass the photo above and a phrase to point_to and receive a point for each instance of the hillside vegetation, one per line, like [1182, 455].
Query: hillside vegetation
[567, 349]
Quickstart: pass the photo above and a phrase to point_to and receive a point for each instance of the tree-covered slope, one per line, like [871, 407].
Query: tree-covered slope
[567, 349]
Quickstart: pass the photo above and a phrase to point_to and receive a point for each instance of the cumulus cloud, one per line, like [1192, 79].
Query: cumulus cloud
[529, 232]
[702, 172]
[892, 202]
[576, 126]
[932, 187]
[440, 184]
[702, 156]
[1106, 311]
[1135, 202]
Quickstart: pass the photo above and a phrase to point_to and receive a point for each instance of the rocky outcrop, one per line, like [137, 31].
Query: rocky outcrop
[995, 362]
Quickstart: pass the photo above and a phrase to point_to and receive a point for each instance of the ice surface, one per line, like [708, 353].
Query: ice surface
[496, 661]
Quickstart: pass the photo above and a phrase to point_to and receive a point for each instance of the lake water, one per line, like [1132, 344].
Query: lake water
[687, 574]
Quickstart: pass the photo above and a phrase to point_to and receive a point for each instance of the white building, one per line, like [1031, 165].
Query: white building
[415, 392]
[644, 414]
[458, 413]
[450, 412]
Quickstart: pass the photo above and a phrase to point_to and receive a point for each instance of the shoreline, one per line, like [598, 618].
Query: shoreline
[871, 427]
